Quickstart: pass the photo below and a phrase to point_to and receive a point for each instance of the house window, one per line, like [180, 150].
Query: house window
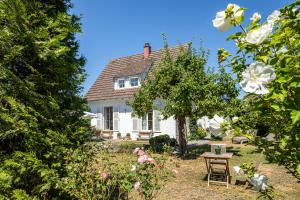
[134, 82]
[108, 118]
[147, 121]
[121, 83]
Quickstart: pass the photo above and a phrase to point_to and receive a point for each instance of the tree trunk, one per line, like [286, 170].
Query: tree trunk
[182, 134]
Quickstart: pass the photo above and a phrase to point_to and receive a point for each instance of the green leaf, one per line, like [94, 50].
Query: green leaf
[298, 169]
[295, 115]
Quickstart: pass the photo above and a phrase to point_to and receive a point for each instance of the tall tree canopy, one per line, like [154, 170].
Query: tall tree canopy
[186, 89]
[40, 106]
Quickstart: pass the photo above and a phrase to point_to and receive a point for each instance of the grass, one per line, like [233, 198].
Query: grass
[191, 182]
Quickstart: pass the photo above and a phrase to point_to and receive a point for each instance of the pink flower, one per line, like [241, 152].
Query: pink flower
[104, 176]
[140, 152]
[133, 168]
[142, 159]
[175, 171]
[137, 186]
[136, 150]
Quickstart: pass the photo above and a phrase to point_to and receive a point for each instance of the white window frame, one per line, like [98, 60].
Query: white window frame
[138, 82]
[119, 83]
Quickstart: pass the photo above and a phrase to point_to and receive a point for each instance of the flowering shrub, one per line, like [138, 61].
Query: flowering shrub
[118, 175]
[267, 63]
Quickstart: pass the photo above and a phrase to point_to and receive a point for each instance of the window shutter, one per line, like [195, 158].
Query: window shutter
[135, 123]
[116, 118]
[157, 119]
[99, 119]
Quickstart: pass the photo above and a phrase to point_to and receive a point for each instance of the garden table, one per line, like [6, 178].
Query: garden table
[212, 159]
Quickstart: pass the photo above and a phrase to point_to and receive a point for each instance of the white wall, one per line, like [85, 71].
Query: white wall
[167, 126]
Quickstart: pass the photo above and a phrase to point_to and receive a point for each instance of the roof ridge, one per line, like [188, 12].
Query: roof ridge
[156, 51]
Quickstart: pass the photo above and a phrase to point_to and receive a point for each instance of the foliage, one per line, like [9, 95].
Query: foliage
[199, 134]
[40, 102]
[277, 46]
[185, 89]
[248, 169]
[158, 143]
[111, 175]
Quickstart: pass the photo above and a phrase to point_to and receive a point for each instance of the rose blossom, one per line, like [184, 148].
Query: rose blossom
[221, 22]
[141, 152]
[255, 17]
[257, 36]
[142, 159]
[255, 76]
[273, 17]
[137, 185]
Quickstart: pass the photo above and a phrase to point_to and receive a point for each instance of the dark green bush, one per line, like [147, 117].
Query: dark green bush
[159, 142]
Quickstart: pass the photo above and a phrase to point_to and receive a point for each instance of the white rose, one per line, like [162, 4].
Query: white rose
[257, 36]
[273, 17]
[221, 22]
[255, 76]
[255, 17]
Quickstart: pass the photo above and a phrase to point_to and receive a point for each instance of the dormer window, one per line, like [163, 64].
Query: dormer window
[134, 82]
[121, 83]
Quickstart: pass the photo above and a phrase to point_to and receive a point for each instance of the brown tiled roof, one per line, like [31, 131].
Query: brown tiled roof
[103, 87]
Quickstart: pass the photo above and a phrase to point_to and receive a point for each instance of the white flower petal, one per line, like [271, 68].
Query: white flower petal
[221, 22]
[255, 76]
[273, 17]
[237, 169]
[257, 36]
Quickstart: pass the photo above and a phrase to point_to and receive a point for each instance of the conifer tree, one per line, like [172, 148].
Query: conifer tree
[40, 104]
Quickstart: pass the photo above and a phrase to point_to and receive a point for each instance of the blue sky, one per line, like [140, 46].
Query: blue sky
[116, 28]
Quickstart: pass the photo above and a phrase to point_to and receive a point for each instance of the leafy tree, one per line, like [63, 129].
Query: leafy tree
[185, 89]
[273, 46]
[40, 106]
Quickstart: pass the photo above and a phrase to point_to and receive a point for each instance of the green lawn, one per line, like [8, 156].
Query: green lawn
[191, 182]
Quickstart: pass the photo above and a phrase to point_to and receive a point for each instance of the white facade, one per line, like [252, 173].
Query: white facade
[123, 122]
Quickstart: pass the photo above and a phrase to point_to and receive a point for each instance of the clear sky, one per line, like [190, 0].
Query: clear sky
[116, 28]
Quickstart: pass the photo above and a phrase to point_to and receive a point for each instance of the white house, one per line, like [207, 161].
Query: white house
[116, 85]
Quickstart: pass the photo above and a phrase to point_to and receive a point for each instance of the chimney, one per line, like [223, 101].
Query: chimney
[147, 50]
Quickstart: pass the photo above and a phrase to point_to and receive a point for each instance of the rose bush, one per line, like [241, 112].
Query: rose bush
[267, 63]
[113, 175]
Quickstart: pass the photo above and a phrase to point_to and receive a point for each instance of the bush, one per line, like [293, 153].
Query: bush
[159, 143]
[198, 134]
[109, 175]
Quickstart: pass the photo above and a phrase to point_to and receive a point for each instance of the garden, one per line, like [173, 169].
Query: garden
[46, 150]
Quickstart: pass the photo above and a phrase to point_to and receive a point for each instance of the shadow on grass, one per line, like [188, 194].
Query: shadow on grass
[195, 152]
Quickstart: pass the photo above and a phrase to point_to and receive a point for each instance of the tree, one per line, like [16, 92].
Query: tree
[40, 104]
[267, 64]
[185, 89]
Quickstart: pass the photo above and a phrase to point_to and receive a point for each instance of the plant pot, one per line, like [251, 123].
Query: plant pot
[218, 151]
